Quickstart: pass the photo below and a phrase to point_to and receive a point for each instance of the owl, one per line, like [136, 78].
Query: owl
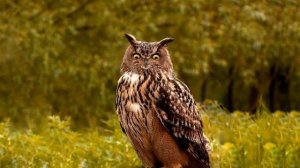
[157, 111]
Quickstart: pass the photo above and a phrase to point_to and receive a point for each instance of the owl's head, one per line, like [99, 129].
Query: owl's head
[143, 56]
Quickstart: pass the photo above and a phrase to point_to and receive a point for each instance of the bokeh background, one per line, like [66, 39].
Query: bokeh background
[59, 67]
[63, 57]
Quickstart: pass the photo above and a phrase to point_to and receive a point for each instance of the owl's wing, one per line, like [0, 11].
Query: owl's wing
[177, 111]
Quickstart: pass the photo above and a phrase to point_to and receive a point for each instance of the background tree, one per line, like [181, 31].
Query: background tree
[63, 57]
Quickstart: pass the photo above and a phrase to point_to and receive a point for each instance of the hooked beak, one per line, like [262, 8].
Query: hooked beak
[145, 66]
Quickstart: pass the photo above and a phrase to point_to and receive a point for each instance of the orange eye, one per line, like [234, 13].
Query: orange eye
[155, 56]
[136, 56]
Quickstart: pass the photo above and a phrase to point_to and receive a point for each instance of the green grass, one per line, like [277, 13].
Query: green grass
[270, 140]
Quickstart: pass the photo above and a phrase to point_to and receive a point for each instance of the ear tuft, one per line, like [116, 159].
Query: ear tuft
[165, 41]
[130, 38]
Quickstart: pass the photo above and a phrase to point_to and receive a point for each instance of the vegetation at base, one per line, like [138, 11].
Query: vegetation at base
[238, 140]
[60, 147]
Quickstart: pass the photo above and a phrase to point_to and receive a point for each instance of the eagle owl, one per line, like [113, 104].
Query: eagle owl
[157, 111]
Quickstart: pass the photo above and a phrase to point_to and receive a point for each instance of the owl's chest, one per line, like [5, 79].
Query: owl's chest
[136, 97]
[133, 93]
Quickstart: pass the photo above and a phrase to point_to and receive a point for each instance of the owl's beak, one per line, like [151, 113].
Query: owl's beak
[145, 66]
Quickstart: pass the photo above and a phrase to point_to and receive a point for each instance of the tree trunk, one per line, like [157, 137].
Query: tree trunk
[229, 94]
[284, 90]
[203, 90]
[253, 99]
[272, 87]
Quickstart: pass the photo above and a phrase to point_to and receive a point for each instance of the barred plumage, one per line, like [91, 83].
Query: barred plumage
[157, 111]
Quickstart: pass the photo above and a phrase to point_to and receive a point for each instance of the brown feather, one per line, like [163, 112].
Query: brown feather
[157, 111]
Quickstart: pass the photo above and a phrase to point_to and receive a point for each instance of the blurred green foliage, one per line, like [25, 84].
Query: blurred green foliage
[60, 147]
[238, 140]
[63, 57]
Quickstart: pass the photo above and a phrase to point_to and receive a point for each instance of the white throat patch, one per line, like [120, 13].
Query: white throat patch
[131, 77]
